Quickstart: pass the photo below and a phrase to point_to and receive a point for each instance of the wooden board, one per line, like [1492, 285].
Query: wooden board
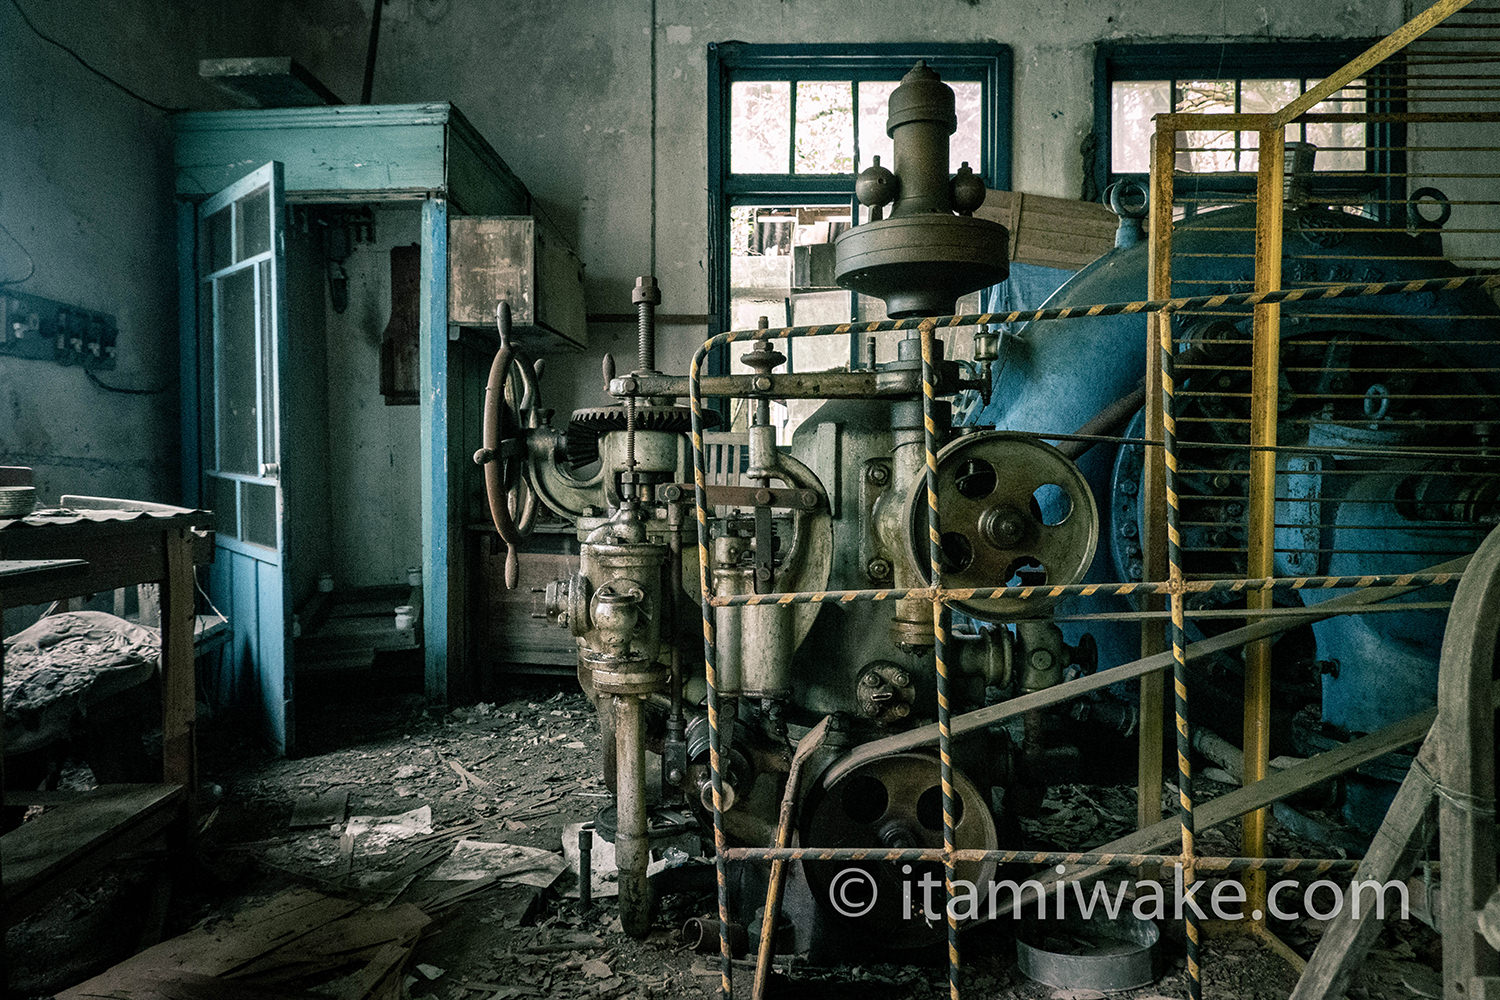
[273, 950]
[1051, 232]
[267, 82]
[64, 844]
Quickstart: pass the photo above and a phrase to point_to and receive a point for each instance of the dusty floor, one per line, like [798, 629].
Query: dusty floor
[518, 772]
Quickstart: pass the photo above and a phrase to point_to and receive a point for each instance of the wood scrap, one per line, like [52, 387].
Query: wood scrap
[297, 938]
[468, 777]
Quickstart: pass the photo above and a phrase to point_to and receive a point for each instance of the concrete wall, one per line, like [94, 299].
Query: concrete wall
[85, 186]
[562, 90]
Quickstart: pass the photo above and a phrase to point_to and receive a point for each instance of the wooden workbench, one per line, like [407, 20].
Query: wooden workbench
[93, 545]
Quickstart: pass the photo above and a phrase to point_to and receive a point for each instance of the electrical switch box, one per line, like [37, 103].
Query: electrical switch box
[47, 330]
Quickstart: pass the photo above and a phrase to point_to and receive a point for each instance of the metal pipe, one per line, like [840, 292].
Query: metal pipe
[676, 720]
[586, 865]
[1265, 374]
[1149, 748]
[1177, 602]
[940, 614]
[367, 87]
[710, 662]
[701, 934]
[632, 839]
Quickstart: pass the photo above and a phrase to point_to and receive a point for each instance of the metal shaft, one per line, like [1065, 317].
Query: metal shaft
[632, 841]
[646, 296]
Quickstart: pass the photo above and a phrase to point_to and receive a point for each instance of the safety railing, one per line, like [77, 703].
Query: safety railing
[1167, 561]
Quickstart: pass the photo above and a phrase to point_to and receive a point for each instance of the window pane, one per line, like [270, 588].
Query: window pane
[235, 373]
[964, 146]
[1206, 150]
[268, 363]
[1264, 97]
[253, 234]
[1340, 144]
[1132, 104]
[218, 239]
[258, 526]
[222, 501]
[825, 127]
[873, 142]
[760, 127]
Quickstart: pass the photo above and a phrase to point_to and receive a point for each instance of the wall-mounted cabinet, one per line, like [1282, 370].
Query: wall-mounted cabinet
[521, 260]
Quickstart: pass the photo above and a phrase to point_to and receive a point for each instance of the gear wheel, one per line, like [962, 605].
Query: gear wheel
[589, 424]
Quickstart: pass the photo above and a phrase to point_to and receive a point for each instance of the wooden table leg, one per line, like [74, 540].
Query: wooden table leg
[179, 701]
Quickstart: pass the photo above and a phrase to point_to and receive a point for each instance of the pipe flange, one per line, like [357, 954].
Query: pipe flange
[618, 676]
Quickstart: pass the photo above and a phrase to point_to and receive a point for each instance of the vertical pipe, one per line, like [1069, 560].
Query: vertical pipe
[1261, 531]
[940, 642]
[586, 865]
[715, 758]
[676, 719]
[632, 841]
[1179, 650]
[1153, 539]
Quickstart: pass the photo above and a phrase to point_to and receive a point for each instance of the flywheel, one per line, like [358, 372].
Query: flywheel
[893, 802]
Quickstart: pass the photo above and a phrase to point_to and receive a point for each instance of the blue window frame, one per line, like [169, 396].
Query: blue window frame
[1358, 165]
[823, 151]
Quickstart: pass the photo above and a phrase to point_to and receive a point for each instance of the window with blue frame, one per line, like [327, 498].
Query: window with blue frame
[789, 128]
[1355, 163]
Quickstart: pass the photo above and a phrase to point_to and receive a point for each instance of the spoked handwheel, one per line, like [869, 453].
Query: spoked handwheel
[509, 395]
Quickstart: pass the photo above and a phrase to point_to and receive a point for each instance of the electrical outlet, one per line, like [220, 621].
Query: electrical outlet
[46, 330]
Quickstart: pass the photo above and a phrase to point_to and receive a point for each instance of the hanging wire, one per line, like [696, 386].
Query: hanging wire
[85, 64]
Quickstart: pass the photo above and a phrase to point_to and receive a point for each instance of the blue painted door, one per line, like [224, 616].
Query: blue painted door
[242, 350]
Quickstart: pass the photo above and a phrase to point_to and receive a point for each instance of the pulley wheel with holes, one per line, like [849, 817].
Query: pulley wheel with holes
[1012, 511]
[893, 802]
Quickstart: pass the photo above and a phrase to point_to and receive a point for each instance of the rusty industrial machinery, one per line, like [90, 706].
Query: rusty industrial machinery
[1039, 494]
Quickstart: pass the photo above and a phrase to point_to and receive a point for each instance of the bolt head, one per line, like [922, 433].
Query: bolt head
[762, 383]
[878, 474]
[646, 290]
[1041, 659]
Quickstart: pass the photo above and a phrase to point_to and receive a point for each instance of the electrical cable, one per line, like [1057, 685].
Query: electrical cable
[84, 63]
[127, 391]
[31, 261]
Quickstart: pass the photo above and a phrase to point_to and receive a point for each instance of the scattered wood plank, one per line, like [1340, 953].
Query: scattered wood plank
[271, 951]
[66, 843]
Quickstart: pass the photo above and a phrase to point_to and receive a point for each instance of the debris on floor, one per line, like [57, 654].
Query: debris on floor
[468, 822]
[297, 941]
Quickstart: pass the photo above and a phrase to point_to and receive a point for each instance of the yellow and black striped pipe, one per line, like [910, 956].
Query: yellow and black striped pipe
[940, 615]
[1177, 601]
[1303, 866]
[1092, 589]
[1315, 293]
[715, 751]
